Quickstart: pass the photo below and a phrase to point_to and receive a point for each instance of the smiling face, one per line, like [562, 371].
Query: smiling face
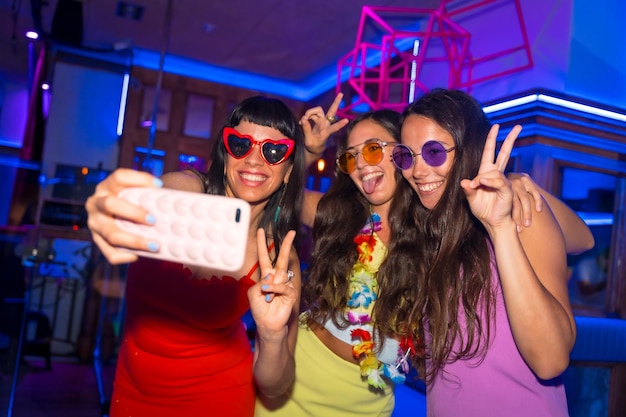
[376, 182]
[251, 178]
[428, 182]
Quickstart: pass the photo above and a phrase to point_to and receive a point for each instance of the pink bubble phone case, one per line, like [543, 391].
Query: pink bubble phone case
[192, 228]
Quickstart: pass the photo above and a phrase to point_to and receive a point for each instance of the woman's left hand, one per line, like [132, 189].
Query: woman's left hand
[490, 194]
[274, 297]
[319, 125]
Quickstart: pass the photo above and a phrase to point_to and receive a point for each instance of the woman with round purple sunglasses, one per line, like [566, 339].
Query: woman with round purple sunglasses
[492, 305]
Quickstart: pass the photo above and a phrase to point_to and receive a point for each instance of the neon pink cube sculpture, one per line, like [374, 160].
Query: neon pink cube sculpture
[419, 49]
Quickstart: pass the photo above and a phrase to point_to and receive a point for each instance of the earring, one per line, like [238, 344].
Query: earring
[280, 201]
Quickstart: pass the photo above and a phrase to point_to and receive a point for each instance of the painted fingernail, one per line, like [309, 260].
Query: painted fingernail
[268, 298]
[265, 287]
[266, 277]
[158, 183]
[153, 246]
[150, 219]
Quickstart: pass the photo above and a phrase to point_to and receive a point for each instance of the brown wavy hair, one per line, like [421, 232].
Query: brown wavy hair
[341, 214]
[453, 247]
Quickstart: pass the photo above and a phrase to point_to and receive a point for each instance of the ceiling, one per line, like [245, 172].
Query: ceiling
[286, 40]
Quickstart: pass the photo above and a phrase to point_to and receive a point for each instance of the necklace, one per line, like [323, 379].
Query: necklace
[373, 224]
[363, 294]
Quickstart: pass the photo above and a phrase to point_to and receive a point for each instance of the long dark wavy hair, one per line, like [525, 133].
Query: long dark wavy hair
[282, 212]
[341, 214]
[455, 279]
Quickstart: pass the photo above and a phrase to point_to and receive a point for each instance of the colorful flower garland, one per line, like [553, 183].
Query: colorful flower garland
[363, 294]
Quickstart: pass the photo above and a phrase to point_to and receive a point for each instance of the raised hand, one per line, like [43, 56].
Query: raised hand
[275, 297]
[105, 205]
[319, 125]
[490, 194]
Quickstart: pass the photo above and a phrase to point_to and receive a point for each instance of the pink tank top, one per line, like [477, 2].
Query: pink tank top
[501, 385]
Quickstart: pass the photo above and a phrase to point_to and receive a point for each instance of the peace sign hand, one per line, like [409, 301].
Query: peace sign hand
[489, 194]
[276, 296]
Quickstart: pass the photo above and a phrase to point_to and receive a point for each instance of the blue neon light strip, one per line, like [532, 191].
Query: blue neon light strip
[314, 86]
[558, 102]
[155, 152]
[122, 110]
[10, 143]
[307, 90]
[304, 91]
[15, 161]
[583, 108]
[202, 71]
[596, 219]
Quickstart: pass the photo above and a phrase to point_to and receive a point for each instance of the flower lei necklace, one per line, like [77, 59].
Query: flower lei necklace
[363, 294]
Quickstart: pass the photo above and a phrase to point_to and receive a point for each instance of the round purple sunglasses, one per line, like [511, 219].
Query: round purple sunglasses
[433, 153]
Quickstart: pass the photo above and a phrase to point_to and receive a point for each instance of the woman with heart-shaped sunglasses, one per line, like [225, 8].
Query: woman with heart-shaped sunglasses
[185, 351]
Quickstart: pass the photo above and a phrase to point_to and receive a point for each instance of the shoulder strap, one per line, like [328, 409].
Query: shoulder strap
[256, 265]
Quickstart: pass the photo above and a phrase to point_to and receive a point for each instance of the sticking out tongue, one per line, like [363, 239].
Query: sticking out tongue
[370, 185]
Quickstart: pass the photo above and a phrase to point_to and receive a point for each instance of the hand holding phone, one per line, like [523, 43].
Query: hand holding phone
[206, 230]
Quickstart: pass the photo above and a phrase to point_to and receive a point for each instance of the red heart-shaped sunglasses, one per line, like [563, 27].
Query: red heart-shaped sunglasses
[273, 151]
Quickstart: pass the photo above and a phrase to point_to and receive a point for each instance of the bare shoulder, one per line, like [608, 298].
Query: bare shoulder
[543, 229]
[183, 180]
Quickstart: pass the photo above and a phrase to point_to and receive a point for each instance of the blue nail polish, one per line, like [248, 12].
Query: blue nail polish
[158, 183]
[150, 219]
[153, 246]
[268, 298]
[264, 287]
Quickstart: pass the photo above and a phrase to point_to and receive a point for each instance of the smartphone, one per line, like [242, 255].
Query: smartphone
[205, 230]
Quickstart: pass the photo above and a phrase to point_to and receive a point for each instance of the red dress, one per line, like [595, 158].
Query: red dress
[185, 351]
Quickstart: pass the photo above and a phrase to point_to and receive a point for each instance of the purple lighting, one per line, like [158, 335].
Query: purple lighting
[32, 35]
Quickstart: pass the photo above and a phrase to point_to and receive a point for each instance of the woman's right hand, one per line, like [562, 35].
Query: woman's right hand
[318, 125]
[104, 206]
